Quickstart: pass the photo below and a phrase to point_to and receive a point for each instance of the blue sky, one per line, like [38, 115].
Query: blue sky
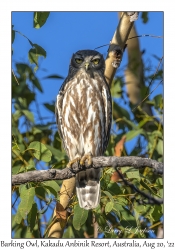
[66, 32]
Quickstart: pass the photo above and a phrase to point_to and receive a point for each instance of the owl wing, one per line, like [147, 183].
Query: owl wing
[58, 112]
[106, 95]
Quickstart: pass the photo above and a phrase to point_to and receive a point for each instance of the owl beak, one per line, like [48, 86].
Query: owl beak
[86, 65]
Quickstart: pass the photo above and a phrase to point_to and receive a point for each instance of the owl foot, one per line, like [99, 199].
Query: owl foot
[69, 165]
[86, 157]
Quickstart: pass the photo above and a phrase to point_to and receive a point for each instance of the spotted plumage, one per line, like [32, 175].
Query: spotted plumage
[83, 112]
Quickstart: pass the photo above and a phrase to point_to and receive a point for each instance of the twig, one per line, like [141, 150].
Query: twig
[147, 95]
[15, 201]
[129, 39]
[95, 225]
[98, 162]
[150, 84]
[151, 200]
[54, 219]
[145, 36]
[155, 72]
[15, 77]
[24, 36]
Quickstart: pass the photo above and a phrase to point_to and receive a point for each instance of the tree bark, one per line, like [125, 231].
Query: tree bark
[119, 38]
[66, 193]
[69, 173]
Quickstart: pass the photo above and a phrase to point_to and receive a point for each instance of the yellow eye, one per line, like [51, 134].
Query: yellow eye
[96, 61]
[78, 60]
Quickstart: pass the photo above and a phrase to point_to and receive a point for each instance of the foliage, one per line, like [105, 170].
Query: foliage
[36, 145]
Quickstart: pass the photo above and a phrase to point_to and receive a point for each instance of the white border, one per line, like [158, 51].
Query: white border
[5, 95]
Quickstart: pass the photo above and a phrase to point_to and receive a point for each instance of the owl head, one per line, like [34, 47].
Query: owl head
[87, 60]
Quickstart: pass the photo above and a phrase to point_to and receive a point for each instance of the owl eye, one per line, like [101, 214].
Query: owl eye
[96, 61]
[78, 60]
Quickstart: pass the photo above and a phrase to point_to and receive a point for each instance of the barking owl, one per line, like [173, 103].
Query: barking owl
[83, 114]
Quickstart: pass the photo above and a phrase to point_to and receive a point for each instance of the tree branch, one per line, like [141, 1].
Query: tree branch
[118, 43]
[98, 162]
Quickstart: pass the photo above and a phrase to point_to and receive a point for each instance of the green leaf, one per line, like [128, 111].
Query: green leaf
[144, 16]
[23, 68]
[41, 152]
[147, 187]
[109, 207]
[131, 124]
[109, 195]
[40, 18]
[120, 112]
[23, 102]
[156, 133]
[145, 120]
[16, 115]
[80, 217]
[20, 231]
[131, 172]
[59, 155]
[28, 115]
[157, 213]
[160, 193]
[50, 107]
[36, 83]
[39, 50]
[98, 209]
[144, 210]
[35, 53]
[69, 233]
[28, 234]
[33, 57]
[18, 217]
[159, 147]
[52, 186]
[35, 130]
[159, 182]
[40, 193]
[21, 147]
[158, 100]
[117, 208]
[36, 68]
[32, 217]
[133, 133]
[13, 221]
[122, 201]
[15, 147]
[116, 89]
[102, 223]
[114, 188]
[128, 220]
[16, 169]
[27, 199]
[31, 165]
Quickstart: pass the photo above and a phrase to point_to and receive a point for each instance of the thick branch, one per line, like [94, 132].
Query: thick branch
[120, 37]
[98, 162]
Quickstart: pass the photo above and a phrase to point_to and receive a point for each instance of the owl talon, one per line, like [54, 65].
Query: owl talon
[84, 158]
[69, 165]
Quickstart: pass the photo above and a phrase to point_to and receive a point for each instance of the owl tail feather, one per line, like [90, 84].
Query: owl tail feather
[88, 188]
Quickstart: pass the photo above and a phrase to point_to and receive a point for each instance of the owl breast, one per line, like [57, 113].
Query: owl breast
[83, 116]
